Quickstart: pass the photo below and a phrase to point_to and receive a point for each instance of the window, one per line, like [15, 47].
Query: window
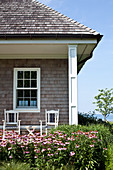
[26, 89]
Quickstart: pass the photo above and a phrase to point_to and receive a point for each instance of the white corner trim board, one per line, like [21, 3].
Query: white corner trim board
[72, 57]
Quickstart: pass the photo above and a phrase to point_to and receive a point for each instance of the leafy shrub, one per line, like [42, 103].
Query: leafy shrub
[88, 119]
[71, 146]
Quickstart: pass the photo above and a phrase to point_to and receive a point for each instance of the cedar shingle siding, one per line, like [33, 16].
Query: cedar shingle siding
[54, 87]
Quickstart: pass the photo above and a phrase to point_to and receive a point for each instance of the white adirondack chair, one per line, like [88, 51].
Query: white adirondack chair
[11, 121]
[51, 119]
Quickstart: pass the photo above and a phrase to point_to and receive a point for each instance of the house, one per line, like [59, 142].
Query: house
[41, 52]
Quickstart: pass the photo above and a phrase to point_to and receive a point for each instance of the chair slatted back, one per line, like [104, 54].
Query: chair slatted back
[11, 116]
[52, 117]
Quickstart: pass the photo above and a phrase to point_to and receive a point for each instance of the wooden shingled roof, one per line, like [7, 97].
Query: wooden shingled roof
[32, 18]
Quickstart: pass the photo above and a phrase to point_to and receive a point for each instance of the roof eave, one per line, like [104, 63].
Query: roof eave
[51, 36]
[99, 37]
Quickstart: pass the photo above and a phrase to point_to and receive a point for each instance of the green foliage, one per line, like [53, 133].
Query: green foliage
[13, 165]
[104, 132]
[86, 118]
[104, 102]
[109, 161]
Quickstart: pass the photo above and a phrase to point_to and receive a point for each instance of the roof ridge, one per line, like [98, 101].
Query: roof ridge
[68, 18]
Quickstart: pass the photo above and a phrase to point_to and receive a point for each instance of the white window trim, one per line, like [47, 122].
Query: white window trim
[14, 90]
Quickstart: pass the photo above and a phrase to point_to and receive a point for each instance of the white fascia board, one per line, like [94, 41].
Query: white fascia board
[48, 41]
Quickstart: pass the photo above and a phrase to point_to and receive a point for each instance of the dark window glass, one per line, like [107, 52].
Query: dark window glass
[33, 83]
[20, 83]
[27, 74]
[33, 75]
[20, 74]
[26, 83]
[26, 93]
[33, 93]
[19, 93]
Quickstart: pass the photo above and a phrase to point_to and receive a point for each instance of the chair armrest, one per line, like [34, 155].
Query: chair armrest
[4, 122]
[19, 121]
[42, 120]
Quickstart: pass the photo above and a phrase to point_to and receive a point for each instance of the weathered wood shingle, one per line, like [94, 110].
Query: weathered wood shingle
[32, 17]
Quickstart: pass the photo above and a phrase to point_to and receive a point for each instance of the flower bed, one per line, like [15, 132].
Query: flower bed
[80, 149]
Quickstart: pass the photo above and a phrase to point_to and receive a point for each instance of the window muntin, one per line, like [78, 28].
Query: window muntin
[27, 84]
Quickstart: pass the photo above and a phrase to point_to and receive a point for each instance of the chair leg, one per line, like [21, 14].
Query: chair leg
[46, 131]
[19, 126]
[3, 130]
[40, 128]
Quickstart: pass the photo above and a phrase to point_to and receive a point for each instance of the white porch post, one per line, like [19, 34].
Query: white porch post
[72, 57]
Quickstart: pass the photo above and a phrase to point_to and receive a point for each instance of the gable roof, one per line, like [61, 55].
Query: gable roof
[32, 18]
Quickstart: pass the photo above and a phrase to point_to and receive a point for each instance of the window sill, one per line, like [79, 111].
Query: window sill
[27, 110]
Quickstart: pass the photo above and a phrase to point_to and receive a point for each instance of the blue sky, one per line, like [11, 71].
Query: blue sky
[97, 73]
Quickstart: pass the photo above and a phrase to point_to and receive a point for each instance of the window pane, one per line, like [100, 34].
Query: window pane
[26, 83]
[26, 93]
[20, 83]
[20, 74]
[33, 83]
[33, 102]
[33, 93]
[33, 75]
[20, 102]
[27, 102]
[27, 74]
[19, 93]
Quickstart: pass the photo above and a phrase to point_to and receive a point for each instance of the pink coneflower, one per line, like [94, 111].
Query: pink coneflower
[105, 148]
[43, 150]
[27, 152]
[49, 139]
[67, 143]
[77, 146]
[38, 151]
[50, 154]
[91, 146]
[10, 157]
[9, 148]
[72, 153]
[64, 149]
[49, 149]
[59, 149]
[62, 144]
[3, 145]
[93, 141]
[44, 143]
[95, 131]
[22, 146]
